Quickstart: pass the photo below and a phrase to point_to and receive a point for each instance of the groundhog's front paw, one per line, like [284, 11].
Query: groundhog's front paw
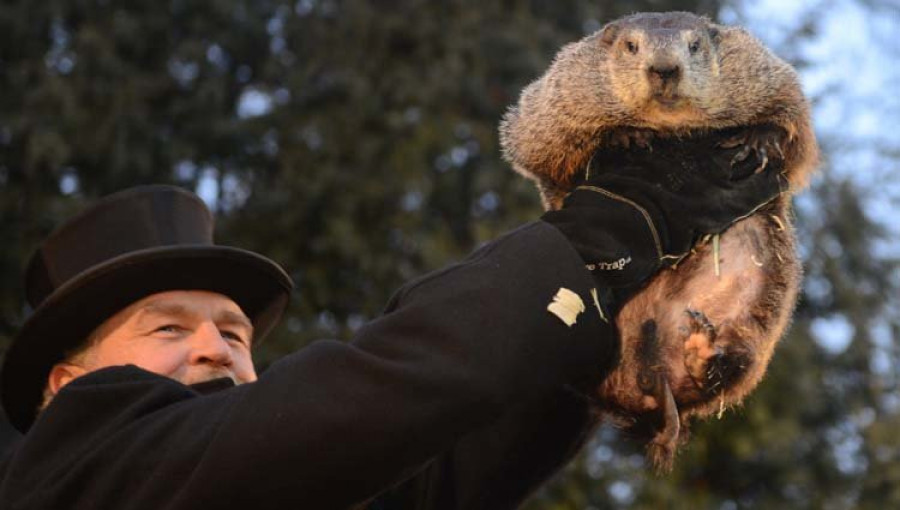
[552, 196]
[629, 138]
[762, 142]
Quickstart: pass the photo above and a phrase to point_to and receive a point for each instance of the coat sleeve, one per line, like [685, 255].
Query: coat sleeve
[497, 467]
[454, 352]
[335, 424]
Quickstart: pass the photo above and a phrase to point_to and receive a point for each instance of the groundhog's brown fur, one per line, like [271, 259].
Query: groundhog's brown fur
[693, 341]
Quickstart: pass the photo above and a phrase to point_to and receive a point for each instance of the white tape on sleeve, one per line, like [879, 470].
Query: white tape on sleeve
[566, 305]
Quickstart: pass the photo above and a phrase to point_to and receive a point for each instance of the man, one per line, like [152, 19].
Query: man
[133, 382]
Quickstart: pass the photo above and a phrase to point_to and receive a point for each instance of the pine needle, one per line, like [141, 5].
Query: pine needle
[778, 221]
[715, 240]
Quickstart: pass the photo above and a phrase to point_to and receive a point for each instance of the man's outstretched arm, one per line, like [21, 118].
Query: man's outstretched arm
[335, 424]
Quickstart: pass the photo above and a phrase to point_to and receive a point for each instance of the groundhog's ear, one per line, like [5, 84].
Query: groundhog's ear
[714, 35]
[610, 32]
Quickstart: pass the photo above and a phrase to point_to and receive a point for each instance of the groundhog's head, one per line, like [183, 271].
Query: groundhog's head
[663, 67]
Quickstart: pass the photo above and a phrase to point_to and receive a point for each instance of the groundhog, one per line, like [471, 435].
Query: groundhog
[699, 336]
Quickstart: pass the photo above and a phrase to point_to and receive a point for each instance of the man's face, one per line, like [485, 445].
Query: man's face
[189, 336]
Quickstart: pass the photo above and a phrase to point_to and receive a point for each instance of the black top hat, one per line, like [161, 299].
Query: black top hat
[127, 246]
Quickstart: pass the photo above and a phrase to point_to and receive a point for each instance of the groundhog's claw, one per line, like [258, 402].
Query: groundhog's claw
[699, 347]
[701, 324]
[743, 154]
[630, 138]
[764, 160]
[731, 143]
[761, 140]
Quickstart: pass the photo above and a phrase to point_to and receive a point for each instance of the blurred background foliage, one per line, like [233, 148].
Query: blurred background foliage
[355, 142]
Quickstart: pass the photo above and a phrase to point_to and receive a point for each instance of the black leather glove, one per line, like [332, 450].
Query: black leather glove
[639, 210]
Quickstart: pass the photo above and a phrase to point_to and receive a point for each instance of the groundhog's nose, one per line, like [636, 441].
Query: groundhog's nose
[664, 73]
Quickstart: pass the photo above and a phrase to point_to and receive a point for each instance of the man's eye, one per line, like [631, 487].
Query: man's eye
[230, 335]
[168, 328]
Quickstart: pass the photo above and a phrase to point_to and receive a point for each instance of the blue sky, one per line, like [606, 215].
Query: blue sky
[851, 70]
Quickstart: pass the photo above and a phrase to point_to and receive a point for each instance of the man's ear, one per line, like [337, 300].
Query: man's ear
[62, 374]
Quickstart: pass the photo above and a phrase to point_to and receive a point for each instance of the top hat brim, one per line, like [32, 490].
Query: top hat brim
[68, 316]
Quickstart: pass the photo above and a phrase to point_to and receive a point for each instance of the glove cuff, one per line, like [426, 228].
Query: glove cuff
[617, 238]
[654, 231]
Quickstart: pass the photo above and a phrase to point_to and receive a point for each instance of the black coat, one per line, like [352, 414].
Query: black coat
[460, 396]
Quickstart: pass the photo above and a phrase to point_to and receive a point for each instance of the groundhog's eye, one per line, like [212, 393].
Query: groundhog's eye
[694, 46]
[631, 46]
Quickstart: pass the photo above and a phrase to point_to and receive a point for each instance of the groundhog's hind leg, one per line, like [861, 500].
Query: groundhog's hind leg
[699, 347]
[712, 355]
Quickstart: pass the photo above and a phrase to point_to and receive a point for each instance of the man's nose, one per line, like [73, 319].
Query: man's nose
[208, 346]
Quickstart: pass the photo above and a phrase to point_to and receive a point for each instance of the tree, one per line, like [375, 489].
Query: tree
[355, 142]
